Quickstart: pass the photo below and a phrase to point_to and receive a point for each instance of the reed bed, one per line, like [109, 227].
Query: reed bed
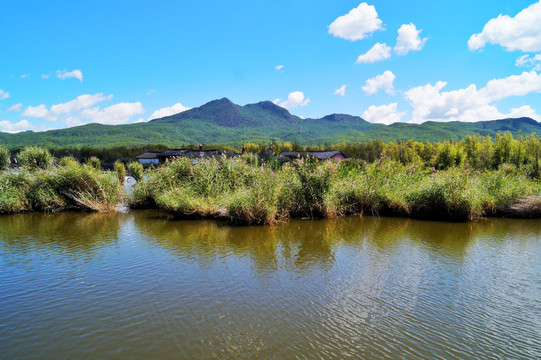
[68, 185]
[244, 191]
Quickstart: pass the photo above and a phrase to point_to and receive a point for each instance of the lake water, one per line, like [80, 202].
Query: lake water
[137, 285]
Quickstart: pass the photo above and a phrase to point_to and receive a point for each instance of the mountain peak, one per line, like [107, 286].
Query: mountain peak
[271, 108]
[342, 117]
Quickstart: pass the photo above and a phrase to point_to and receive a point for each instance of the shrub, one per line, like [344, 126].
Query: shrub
[35, 157]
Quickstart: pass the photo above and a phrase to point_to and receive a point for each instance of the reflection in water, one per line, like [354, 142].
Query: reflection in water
[72, 233]
[140, 285]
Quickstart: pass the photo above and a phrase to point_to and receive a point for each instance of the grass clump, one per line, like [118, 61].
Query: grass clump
[94, 162]
[35, 157]
[4, 157]
[136, 170]
[67, 186]
[449, 195]
[120, 170]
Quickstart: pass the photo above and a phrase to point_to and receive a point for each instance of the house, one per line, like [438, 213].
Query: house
[156, 158]
[148, 158]
[336, 155]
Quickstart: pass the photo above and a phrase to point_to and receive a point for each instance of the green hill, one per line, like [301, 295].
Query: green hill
[223, 122]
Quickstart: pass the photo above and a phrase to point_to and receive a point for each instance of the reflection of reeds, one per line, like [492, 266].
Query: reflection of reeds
[73, 233]
[241, 193]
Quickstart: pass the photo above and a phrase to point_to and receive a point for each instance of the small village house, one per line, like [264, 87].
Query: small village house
[335, 155]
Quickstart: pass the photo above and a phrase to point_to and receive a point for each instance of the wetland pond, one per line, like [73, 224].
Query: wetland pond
[138, 285]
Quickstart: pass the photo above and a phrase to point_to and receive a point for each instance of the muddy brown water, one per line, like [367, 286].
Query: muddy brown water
[137, 285]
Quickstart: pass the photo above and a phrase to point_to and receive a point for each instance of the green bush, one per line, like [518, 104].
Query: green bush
[35, 157]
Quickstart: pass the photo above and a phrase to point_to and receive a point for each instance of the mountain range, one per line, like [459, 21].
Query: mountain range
[223, 122]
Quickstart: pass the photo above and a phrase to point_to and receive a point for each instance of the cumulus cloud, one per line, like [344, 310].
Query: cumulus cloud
[384, 114]
[3, 94]
[521, 32]
[77, 104]
[9, 127]
[16, 107]
[294, 99]
[408, 39]
[39, 111]
[82, 110]
[531, 62]
[377, 53]
[115, 114]
[64, 74]
[166, 111]
[279, 67]
[380, 82]
[340, 91]
[472, 104]
[358, 24]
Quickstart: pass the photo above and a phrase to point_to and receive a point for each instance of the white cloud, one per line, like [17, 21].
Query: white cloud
[3, 94]
[279, 67]
[45, 76]
[115, 114]
[166, 111]
[294, 100]
[384, 114]
[16, 107]
[23, 76]
[521, 32]
[39, 111]
[81, 110]
[532, 62]
[380, 82]
[408, 39]
[9, 127]
[150, 92]
[276, 101]
[64, 74]
[377, 53]
[358, 24]
[340, 91]
[471, 104]
[81, 102]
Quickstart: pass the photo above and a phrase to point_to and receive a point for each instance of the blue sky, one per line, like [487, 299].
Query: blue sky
[67, 63]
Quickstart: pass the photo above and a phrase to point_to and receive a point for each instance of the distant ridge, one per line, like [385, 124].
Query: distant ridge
[223, 122]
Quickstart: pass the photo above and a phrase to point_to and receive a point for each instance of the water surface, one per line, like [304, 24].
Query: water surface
[137, 285]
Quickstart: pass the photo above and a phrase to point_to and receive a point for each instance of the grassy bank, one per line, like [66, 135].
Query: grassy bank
[243, 191]
[68, 185]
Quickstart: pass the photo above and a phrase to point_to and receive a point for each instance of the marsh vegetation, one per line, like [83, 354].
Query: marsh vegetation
[459, 181]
